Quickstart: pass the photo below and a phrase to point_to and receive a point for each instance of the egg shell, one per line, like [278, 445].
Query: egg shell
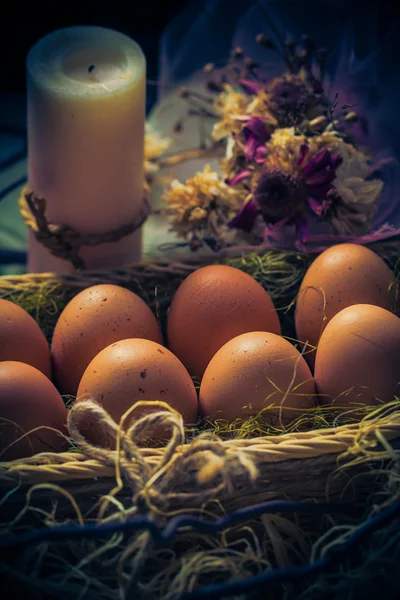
[28, 400]
[213, 305]
[21, 338]
[133, 370]
[341, 276]
[95, 318]
[253, 371]
[357, 360]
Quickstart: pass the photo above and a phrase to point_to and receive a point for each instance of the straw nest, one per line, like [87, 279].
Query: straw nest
[349, 461]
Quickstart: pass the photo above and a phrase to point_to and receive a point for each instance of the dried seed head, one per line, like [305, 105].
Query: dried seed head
[250, 63]
[332, 125]
[214, 87]
[290, 45]
[237, 53]
[209, 67]
[302, 56]
[319, 123]
[178, 127]
[263, 40]
[195, 243]
[288, 95]
[183, 92]
[351, 117]
[279, 195]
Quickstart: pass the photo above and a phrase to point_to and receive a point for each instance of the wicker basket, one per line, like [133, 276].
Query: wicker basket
[355, 464]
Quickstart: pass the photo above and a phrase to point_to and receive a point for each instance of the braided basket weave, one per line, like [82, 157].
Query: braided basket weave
[352, 463]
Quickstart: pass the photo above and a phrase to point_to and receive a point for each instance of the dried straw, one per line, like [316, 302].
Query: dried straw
[206, 476]
[319, 457]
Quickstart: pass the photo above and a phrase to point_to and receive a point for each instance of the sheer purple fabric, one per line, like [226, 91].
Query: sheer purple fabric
[357, 72]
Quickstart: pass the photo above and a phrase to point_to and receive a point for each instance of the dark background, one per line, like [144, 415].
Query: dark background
[23, 23]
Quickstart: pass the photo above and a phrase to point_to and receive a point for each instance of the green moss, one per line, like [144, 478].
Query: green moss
[279, 272]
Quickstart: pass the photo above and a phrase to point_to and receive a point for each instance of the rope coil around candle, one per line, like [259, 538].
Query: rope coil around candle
[65, 242]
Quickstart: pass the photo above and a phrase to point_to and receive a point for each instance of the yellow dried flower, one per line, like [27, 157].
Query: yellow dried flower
[350, 182]
[286, 139]
[233, 107]
[190, 206]
[283, 150]
[197, 214]
[154, 147]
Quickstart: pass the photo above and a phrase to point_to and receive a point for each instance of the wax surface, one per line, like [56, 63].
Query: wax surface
[86, 112]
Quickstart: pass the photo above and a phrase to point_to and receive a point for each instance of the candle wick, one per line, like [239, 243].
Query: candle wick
[91, 68]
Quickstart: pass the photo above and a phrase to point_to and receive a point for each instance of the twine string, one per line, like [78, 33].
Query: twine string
[64, 241]
[179, 475]
[153, 482]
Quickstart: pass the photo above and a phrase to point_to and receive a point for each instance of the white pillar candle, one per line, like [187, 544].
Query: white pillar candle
[86, 113]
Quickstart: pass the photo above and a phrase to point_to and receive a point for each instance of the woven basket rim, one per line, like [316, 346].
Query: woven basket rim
[331, 443]
[266, 450]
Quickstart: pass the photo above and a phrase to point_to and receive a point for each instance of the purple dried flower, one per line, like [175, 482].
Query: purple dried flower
[279, 196]
[239, 177]
[322, 177]
[289, 99]
[318, 175]
[255, 126]
[260, 154]
[250, 86]
[282, 198]
[304, 150]
[319, 161]
[336, 161]
[246, 217]
[318, 207]
[255, 135]
[300, 222]
[250, 147]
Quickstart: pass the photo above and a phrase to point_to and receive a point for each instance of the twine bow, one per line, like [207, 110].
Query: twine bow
[187, 474]
[65, 242]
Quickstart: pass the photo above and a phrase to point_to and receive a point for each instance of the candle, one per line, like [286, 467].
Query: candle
[86, 112]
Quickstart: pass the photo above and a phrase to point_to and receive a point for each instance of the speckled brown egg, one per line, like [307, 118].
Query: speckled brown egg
[343, 275]
[133, 370]
[252, 372]
[29, 400]
[21, 338]
[95, 318]
[213, 305]
[357, 360]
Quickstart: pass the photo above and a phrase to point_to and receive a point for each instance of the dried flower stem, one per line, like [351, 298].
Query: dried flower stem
[331, 111]
[216, 149]
[187, 94]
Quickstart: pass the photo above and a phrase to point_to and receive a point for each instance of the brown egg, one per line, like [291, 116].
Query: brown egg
[357, 360]
[253, 371]
[133, 370]
[95, 318]
[343, 275]
[21, 338]
[28, 400]
[213, 305]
